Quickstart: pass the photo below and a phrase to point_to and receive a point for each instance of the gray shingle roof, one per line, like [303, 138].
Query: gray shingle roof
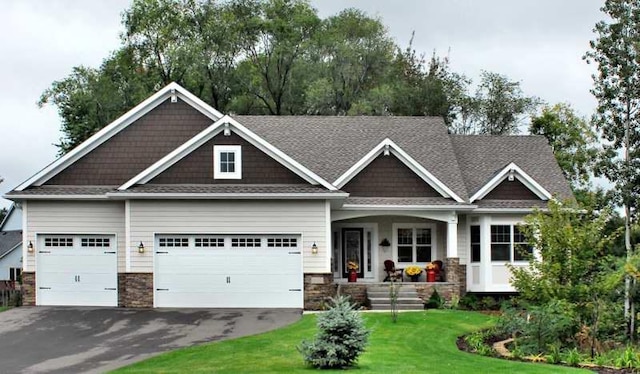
[511, 204]
[9, 240]
[481, 157]
[64, 190]
[330, 145]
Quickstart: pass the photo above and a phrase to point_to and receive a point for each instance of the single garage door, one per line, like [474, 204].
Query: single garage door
[77, 270]
[228, 271]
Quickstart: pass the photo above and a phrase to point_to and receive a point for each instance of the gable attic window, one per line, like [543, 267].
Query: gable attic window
[227, 162]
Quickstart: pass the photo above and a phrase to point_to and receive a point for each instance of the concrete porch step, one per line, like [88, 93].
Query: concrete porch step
[400, 300]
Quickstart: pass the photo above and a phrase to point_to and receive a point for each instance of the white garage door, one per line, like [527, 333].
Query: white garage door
[228, 271]
[77, 270]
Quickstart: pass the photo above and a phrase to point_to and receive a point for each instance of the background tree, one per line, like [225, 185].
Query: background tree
[616, 51]
[573, 142]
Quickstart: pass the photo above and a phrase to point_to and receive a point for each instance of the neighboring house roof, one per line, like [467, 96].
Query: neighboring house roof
[12, 220]
[481, 157]
[9, 240]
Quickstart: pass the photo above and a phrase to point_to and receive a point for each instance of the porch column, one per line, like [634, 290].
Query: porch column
[452, 235]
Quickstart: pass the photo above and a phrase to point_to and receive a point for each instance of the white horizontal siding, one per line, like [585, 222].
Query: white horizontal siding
[307, 218]
[75, 217]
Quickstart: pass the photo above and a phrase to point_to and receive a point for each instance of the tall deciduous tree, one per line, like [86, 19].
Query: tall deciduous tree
[572, 140]
[616, 51]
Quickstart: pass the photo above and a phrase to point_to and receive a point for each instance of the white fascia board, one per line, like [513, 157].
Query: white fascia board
[54, 197]
[228, 196]
[406, 159]
[408, 207]
[116, 126]
[207, 134]
[529, 182]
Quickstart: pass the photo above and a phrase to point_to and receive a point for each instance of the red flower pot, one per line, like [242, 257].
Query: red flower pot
[353, 276]
[431, 275]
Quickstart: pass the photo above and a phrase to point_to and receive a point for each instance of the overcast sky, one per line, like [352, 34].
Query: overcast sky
[539, 43]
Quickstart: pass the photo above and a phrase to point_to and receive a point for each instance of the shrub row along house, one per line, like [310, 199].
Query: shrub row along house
[177, 205]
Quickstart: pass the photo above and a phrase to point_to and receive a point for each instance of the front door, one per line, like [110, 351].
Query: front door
[352, 250]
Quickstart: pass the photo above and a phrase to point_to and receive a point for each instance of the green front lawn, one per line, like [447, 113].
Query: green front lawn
[418, 342]
[3, 308]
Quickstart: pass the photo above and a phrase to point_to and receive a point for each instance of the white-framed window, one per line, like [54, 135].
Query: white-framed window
[475, 243]
[15, 275]
[227, 162]
[508, 244]
[414, 242]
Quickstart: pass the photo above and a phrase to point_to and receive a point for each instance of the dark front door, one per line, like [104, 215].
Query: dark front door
[352, 251]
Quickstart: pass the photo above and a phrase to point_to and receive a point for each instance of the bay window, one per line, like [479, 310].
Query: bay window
[508, 244]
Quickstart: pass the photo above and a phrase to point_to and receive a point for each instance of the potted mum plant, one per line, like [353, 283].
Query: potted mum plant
[414, 272]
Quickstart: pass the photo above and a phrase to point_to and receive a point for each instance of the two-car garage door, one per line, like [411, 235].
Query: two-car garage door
[228, 271]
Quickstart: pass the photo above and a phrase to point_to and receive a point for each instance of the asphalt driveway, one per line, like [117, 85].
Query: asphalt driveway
[82, 339]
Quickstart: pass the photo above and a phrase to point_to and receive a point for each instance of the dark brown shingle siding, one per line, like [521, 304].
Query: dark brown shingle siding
[513, 190]
[386, 176]
[257, 166]
[136, 147]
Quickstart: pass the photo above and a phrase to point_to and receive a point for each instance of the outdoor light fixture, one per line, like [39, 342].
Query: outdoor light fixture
[30, 246]
[314, 249]
[385, 244]
[141, 248]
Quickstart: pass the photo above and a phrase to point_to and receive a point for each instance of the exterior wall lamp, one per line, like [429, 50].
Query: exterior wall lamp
[314, 249]
[385, 244]
[140, 248]
[30, 247]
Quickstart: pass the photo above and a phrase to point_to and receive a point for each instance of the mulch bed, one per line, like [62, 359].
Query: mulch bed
[464, 346]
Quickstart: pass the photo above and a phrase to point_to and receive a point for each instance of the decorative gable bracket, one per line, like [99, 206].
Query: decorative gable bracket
[386, 147]
[510, 173]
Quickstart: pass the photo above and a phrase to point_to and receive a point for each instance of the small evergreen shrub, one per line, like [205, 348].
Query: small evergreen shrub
[341, 338]
[469, 302]
[435, 301]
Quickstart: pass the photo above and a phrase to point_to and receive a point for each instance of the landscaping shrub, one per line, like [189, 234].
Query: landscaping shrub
[435, 301]
[489, 303]
[469, 302]
[342, 337]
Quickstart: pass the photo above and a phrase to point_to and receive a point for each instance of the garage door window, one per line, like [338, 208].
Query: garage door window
[95, 242]
[209, 242]
[58, 242]
[174, 242]
[282, 242]
[245, 242]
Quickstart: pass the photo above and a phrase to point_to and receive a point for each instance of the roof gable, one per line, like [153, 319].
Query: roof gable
[172, 92]
[257, 167]
[225, 124]
[12, 220]
[510, 173]
[388, 147]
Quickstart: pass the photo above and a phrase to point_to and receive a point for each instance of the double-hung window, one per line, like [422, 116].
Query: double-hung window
[414, 243]
[227, 162]
[509, 244]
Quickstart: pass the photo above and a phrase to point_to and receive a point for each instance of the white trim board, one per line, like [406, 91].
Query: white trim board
[518, 173]
[387, 146]
[171, 91]
[222, 124]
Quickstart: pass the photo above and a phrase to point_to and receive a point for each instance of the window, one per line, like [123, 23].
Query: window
[475, 243]
[508, 244]
[227, 161]
[15, 275]
[245, 242]
[414, 244]
[209, 242]
[282, 242]
[94, 242]
[58, 242]
[173, 242]
[522, 249]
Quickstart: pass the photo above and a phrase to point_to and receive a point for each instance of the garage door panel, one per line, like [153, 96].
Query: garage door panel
[80, 273]
[228, 277]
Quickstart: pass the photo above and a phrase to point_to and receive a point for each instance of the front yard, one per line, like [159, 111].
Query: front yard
[418, 342]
